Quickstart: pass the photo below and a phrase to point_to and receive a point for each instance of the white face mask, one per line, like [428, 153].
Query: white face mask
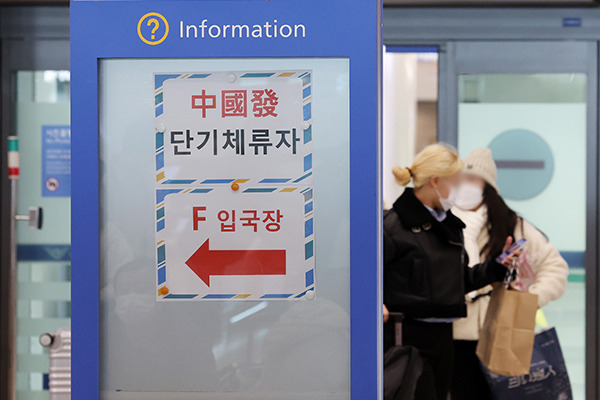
[448, 202]
[469, 196]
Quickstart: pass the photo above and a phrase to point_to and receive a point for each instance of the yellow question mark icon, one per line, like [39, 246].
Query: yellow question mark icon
[155, 23]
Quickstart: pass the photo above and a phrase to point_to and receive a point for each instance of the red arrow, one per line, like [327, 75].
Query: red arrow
[206, 263]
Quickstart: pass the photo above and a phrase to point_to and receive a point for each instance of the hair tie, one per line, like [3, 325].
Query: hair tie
[410, 172]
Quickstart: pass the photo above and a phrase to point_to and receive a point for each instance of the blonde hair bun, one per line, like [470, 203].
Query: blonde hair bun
[402, 175]
[434, 160]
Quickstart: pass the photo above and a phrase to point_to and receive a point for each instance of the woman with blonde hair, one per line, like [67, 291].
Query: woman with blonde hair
[425, 272]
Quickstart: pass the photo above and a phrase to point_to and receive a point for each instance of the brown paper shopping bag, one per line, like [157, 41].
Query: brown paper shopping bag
[506, 339]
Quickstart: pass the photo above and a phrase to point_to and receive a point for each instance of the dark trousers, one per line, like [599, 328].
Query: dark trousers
[468, 381]
[434, 342]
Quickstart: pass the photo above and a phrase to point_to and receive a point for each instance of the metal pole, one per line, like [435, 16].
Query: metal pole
[13, 175]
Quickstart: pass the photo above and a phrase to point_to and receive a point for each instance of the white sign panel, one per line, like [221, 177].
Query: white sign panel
[234, 198]
[227, 245]
[236, 123]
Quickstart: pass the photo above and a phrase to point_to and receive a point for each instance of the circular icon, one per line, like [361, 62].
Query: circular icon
[52, 184]
[525, 163]
[152, 25]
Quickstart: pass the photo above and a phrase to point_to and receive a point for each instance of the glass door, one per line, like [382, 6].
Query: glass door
[36, 109]
[42, 119]
[534, 105]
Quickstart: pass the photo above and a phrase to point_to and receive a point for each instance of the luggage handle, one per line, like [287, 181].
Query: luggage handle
[397, 318]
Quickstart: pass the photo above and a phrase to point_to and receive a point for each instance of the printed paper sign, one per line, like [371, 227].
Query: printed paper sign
[236, 124]
[234, 198]
[227, 245]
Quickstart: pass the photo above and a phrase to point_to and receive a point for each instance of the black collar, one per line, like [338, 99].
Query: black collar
[415, 216]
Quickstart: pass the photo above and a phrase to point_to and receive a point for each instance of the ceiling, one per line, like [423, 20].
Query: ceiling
[491, 3]
[398, 3]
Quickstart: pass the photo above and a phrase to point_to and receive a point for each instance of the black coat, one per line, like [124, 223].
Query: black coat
[425, 271]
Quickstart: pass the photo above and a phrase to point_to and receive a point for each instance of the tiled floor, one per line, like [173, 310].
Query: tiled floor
[568, 316]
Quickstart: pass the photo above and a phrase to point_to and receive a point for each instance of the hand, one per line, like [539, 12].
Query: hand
[508, 262]
[386, 314]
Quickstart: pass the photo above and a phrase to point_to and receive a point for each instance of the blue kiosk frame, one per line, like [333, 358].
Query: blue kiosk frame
[335, 28]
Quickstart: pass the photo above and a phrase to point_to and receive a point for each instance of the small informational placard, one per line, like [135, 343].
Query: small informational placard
[234, 197]
[56, 160]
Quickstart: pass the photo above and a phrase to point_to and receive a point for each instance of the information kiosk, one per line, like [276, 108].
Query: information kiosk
[225, 199]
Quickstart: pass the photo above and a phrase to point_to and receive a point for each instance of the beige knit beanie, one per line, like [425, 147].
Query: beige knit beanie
[480, 163]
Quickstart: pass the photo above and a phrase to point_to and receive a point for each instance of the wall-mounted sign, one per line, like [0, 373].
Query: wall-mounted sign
[522, 156]
[234, 185]
[56, 161]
